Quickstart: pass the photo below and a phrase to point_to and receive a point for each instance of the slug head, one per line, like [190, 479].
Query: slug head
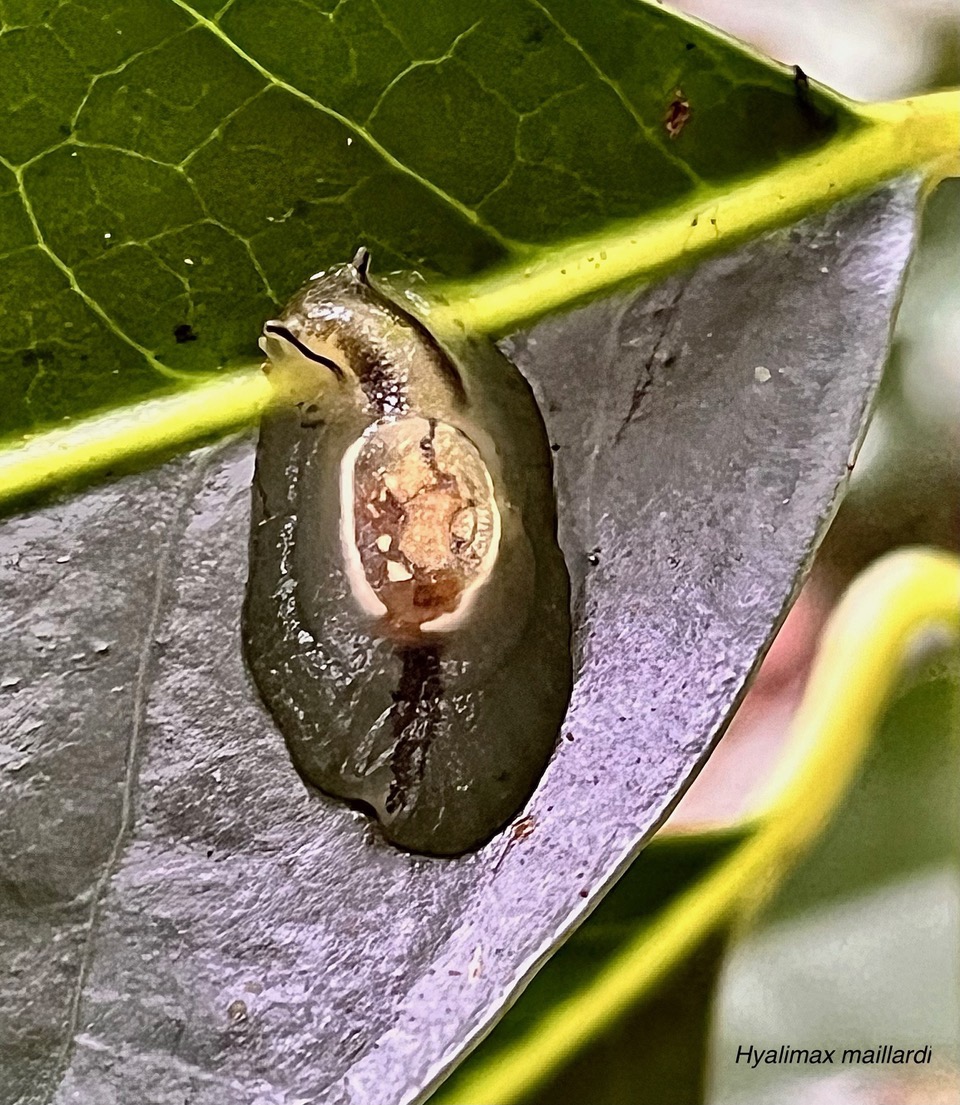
[305, 347]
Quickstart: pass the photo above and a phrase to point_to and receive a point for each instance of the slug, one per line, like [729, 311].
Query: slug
[407, 617]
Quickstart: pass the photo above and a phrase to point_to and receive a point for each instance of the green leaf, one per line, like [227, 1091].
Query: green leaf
[169, 173]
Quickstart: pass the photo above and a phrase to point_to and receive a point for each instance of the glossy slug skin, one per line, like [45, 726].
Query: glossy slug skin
[407, 619]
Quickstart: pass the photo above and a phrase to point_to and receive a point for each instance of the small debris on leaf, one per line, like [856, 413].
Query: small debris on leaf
[678, 114]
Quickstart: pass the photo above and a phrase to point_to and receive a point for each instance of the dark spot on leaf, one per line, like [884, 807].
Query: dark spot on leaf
[691, 46]
[184, 332]
[65, 128]
[523, 827]
[536, 34]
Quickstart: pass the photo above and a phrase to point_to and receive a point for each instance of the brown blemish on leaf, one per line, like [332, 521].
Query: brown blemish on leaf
[678, 114]
[523, 827]
[520, 830]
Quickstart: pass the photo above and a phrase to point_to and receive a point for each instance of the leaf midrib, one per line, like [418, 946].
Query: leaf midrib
[920, 135]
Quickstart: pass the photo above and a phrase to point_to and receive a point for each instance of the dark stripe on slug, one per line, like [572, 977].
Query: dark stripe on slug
[414, 717]
[379, 380]
[446, 366]
[361, 262]
[317, 358]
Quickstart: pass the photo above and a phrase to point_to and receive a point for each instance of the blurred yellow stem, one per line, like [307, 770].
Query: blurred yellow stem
[857, 665]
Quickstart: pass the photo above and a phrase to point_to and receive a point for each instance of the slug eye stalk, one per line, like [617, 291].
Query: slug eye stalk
[361, 264]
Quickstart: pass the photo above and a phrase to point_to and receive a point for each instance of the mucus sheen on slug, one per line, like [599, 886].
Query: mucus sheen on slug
[407, 615]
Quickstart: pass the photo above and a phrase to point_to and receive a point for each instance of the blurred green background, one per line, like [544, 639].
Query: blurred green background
[862, 942]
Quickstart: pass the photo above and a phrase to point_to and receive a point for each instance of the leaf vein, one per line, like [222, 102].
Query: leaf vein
[75, 287]
[463, 209]
[132, 763]
[74, 121]
[419, 64]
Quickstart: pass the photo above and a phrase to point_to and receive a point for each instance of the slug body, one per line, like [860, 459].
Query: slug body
[407, 617]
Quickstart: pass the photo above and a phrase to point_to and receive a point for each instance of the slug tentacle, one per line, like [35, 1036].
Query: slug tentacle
[407, 617]
[277, 329]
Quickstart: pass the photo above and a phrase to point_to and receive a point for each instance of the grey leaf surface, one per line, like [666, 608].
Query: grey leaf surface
[182, 921]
